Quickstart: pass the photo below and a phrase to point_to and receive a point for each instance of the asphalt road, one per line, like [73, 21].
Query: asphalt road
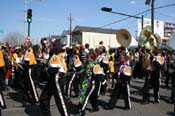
[14, 104]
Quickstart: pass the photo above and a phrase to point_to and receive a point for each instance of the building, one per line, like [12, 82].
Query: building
[58, 37]
[93, 36]
[65, 38]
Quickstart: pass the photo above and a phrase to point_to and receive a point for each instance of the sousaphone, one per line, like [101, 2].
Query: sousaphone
[124, 37]
[149, 40]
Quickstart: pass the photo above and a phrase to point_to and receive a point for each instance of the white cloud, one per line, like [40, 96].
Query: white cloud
[133, 2]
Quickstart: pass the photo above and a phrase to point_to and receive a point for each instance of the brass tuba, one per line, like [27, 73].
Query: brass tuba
[123, 37]
[149, 40]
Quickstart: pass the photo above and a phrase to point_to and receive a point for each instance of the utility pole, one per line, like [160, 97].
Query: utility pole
[25, 18]
[152, 16]
[70, 29]
[142, 22]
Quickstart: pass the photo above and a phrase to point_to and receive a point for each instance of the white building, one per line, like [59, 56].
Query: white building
[65, 38]
[93, 36]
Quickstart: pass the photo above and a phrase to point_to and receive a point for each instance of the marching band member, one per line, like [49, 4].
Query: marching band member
[91, 85]
[170, 69]
[56, 70]
[70, 66]
[103, 61]
[17, 61]
[74, 80]
[153, 78]
[111, 70]
[30, 93]
[172, 76]
[122, 75]
[2, 74]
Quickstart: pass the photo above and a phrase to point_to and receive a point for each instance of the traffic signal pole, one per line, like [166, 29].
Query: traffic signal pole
[28, 29]
[148, 2]
[142, 21]
[105, 9]
[152, 16]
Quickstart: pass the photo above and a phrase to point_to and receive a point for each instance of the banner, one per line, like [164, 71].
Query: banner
[169, 28]
[158, 26]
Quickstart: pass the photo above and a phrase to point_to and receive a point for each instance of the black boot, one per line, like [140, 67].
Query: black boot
[81, 113]
[94, 110]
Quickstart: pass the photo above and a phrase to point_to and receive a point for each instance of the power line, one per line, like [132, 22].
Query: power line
[164, 1]
[132, 26]
[141, 13]
[165, 15]
[133, 21]
[129, 23]
[136, 15]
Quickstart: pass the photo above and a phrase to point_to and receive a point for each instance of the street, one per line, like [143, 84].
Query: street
[14, 104]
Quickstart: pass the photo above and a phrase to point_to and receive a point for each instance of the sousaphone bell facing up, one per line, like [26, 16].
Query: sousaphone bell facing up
[149, 40]
[124, 37]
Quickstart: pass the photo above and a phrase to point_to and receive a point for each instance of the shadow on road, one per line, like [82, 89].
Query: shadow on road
[16, 96]
[72, 108]
[165, 98]
[33, 111]
[136, 100]
[30, 110]
[101, 103]
[136, 87]
[171, 113]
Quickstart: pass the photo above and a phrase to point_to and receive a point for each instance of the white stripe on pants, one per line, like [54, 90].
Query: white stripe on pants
[87, 98]
[1, 100]
[70, 83]
[60, 94]
[33, 86]
[128, 90]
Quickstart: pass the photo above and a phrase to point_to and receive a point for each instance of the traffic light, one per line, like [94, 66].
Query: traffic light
[29, 15]
[106, 9]
[147, 2]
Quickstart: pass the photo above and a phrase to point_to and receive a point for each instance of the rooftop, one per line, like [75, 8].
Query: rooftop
[95, 29]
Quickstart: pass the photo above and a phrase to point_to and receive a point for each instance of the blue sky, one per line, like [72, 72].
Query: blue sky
[50, 16]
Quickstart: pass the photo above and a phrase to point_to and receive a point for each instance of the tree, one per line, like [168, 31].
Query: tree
[13, 38]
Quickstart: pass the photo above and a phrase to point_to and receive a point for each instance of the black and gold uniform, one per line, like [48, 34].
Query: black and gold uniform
[56, 70]
[153, 80]
[122, 75]
[2, 76]
[30, 92]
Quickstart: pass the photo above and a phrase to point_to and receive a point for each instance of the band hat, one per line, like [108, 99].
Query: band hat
[28, 39]
[77, 45]
[4, 46]
[18, 48]
[53, 40]
[64, 47]
[45, 41]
